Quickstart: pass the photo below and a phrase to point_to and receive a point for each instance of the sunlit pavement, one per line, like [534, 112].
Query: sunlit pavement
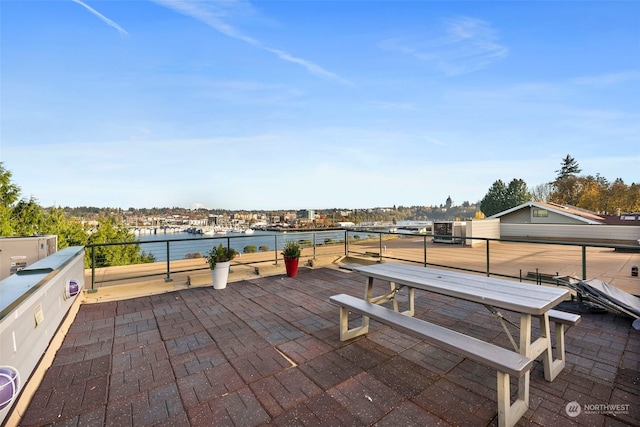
[266, 350]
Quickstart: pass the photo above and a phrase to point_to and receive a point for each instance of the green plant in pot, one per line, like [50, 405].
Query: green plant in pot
[219, 259]
[291, 253]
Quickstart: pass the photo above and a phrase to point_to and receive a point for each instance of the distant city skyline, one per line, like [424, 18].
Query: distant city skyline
[310, 104]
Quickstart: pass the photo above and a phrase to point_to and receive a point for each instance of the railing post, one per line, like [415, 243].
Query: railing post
[424, 238]
[275, 237]
[93, 268]
[380, 249]
[314, 244]
[346, 242]
[168, 278]
[488, 264]
[584, 262]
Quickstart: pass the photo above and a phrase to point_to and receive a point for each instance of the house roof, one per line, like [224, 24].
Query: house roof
[632, 218]
[573, 212]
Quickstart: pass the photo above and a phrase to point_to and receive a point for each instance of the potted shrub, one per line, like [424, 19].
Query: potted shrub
[219, 259]
[291, 254]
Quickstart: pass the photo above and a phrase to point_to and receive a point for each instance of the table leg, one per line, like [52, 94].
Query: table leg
[547, 351]
[368, 289]
[525, 350]
[381, 299]
[541, 346]
[410, 295]
[552, 367]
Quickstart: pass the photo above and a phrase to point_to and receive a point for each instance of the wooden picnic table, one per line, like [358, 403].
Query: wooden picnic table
[494, 293]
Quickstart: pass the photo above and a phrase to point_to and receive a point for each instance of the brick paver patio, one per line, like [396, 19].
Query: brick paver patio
[266, 351]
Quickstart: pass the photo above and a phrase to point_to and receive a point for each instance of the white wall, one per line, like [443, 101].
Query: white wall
[488, 228]
[33, 294]
[624, 234]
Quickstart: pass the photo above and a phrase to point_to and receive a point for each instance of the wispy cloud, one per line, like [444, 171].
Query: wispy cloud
[213, 13]
[467, 45]
[101, 16]
[393, 105]
[611, 79]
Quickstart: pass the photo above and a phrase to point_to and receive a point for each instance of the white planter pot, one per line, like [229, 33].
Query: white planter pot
[220, 275]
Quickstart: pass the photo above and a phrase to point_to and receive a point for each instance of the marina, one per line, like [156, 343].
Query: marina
[187, 244]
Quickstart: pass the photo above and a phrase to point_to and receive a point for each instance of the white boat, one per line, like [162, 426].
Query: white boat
[248, 231]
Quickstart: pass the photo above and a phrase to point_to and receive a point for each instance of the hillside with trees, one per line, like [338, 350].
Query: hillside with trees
[588, 192]
[81, 226]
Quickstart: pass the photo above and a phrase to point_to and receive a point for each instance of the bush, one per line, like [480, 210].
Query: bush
[220, 254]
[193, 255]
[291, 249]
[250, 249]
[264, 248]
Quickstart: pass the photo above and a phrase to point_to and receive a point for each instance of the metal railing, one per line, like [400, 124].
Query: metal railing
[525, 260]
[530, 256]
[195, 248]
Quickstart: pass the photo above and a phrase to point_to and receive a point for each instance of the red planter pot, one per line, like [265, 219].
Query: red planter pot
[291, 264]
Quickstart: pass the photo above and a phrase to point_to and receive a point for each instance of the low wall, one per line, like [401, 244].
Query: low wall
[33, 304]
[487, 228]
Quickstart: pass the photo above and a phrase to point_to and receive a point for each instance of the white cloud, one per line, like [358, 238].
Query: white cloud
[610, 79]
[467, 45]
[213, 14]
[101, 16]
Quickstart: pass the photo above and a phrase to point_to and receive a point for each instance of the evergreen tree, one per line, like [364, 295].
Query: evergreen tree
[501, 197]
[27, 218]
[566, 185]
[495, 199]
[517, 193]
[70, 232]
[568, 168]
[9, 192]
[6, 224]
[111, 231]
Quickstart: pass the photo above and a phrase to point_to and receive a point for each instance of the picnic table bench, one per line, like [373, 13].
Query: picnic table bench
[505, 361]
[493, 293]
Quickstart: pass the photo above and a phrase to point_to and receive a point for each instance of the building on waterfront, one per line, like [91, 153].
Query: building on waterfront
[550, 221]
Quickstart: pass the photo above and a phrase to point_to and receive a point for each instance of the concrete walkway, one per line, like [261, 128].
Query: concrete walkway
[266, 351]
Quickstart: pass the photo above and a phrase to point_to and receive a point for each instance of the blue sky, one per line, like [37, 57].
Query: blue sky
[312, 104]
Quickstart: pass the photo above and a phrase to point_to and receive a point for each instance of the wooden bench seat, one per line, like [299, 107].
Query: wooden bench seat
[564, 318]
[504, 361]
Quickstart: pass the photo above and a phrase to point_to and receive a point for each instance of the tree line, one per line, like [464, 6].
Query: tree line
[594, 193]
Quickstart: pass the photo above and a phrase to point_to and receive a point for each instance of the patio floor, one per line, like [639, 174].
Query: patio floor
[266, 351]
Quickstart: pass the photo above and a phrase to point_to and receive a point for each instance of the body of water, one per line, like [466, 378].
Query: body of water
[181, 244]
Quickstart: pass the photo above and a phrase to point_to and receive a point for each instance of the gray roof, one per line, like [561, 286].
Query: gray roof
[573, 212]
